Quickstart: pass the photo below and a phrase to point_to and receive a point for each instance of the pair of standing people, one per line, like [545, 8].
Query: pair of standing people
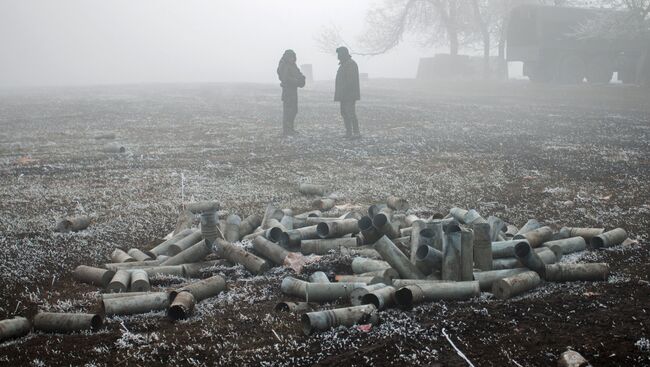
[347, 90]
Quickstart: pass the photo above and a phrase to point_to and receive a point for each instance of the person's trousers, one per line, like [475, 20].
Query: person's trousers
[349, 114]
[289, 112]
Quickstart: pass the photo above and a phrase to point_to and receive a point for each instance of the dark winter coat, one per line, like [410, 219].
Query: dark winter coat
[347, 82]
[290, 79]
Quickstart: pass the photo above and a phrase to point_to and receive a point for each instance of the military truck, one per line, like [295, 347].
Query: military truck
[544, 39]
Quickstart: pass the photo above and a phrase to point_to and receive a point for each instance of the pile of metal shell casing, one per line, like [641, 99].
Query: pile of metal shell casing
[401, 260]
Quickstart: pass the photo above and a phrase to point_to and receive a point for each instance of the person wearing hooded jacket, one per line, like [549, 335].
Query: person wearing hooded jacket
[290, 80]
[347, 91]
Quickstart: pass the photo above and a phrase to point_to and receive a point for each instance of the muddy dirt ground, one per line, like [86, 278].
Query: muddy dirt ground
[575, 156]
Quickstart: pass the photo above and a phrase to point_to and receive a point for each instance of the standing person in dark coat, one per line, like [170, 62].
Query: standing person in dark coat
[290, 80]
[347, 91]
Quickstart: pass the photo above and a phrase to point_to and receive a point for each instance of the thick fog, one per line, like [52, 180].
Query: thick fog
[71, 42]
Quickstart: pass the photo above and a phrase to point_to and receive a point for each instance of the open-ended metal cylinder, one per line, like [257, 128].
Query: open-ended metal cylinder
[175, 270]
[66, 322]
[91, 275]
[328, 292]
[126, 295]
[231, 232]
[473, 217]
[365, 251]
[397, 203]
[287, 222]
[531, 225]
[576, 272]
[397, 259]
[374, 209]
[311, 189]
[428, 259]
[382, 223]
[451, 256]
[319, 277]
[382, 298]
[14, 328]
[138, 255]
[140, 281]
[135, 305]
[536, 237]
[362, 265]
[120, 282]
[416, 232]
[387, 274]
[185, 243]
[359, 279]
[203, 206]
[182, 306]
[525, 254]
[410, 295]
[586, 233]
[568, 245]
[164, 246]
[369, 233]
[516, 284]
[195, 253]
[357, 294]
[608, 239]
[311, 213]
[323, 204]
[323, 320]
[203, 289]
[248, 225]
[271, 212]
[119, 256]
[438, 233]
[483, 246]
[293, 307]
[458, 214]
[501, 249]
[496, 226]
[399, 283]
[293, 287]
[511, 231]
[467, 255]
[270, 250]
[487, 278]
[337, 228]
[73, 224]
[322, 247]
[195, 270]
[209, 226]
[238, 255]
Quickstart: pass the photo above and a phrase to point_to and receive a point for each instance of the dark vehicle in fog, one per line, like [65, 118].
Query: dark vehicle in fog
[543, 38]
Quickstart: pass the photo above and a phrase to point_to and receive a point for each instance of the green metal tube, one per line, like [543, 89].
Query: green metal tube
[577, 272]
[324, 320]
[511, 286]
[397, 259]
[66, 322]
[411, 295]
[362, 265]
[608, 239]
[14, 328]
[182, 306]
[487, 278]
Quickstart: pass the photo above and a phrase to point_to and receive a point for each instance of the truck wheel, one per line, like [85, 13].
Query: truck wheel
[571, 70]
[600, 70]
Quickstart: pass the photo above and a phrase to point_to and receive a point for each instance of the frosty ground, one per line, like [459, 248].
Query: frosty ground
[575, 156]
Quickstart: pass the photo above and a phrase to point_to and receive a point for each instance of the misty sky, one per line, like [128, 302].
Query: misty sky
[65, 42]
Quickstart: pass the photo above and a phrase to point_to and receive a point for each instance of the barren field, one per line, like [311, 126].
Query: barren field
[574, 156]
